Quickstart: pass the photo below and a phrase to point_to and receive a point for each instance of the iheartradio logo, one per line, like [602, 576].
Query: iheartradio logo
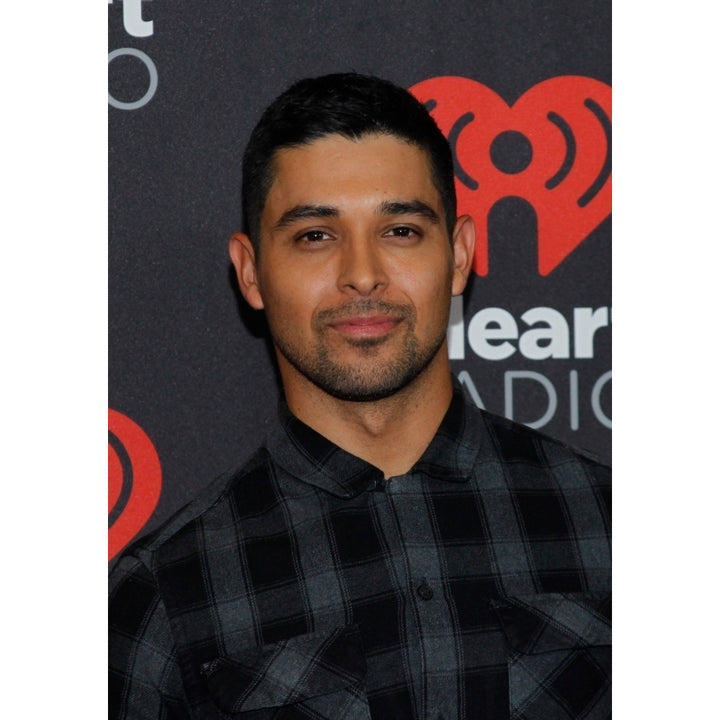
[552, 147]
[134, 480]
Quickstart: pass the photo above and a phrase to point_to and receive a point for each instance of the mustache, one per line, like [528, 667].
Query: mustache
[366, 307]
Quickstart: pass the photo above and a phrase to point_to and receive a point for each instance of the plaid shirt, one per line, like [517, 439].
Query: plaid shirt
[305, 586]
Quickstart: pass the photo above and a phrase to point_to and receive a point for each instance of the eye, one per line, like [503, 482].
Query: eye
[312, 236]
[403, 231]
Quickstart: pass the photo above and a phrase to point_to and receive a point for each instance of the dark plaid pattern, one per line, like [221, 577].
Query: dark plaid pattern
[304, 586]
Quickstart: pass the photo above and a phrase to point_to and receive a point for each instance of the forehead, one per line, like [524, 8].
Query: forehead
[373, 168]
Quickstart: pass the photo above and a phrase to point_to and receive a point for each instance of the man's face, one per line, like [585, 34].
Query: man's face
[356, 268]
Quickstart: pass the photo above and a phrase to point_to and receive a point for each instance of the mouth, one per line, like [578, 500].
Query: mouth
[365, 326]
[365, 322]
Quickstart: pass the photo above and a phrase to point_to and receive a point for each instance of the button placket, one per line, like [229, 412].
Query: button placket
[431, 616]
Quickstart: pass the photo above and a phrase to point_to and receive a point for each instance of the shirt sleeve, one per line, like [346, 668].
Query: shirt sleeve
[144, 679]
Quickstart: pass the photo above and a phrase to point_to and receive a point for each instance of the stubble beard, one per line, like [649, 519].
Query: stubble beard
[370, 377]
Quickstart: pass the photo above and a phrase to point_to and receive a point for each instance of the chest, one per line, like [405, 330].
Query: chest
[414, 573]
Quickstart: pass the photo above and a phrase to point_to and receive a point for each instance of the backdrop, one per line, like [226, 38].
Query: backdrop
[522, 91]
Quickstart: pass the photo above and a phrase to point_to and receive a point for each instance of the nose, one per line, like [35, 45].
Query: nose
[362, 270]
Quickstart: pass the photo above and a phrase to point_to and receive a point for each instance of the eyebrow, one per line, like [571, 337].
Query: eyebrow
[390, 207]
[409, 207]
[303, 212]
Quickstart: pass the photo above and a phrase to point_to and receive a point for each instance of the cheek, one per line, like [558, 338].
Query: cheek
[427, 289]
[290, 301]
[432, 301]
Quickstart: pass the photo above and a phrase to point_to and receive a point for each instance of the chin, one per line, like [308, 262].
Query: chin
[376, 376]
[368, 385]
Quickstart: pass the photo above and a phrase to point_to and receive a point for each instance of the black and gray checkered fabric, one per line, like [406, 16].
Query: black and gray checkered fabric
[476, 586]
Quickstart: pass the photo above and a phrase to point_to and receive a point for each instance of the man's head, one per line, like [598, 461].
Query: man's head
[349, 105]
[355, 254]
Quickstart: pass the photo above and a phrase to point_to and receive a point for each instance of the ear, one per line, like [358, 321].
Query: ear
[242, 254]
[463, 252]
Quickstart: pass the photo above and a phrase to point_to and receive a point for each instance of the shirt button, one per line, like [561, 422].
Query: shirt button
[425, 591]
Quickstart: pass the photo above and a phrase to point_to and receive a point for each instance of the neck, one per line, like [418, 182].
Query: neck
[391, 433]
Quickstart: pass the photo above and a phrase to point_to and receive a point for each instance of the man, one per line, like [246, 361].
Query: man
[391, 551]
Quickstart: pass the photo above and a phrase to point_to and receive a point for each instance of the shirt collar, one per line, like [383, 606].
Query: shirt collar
[313, 459]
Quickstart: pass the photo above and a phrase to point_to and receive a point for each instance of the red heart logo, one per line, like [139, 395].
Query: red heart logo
[564, 123]
[141, 485]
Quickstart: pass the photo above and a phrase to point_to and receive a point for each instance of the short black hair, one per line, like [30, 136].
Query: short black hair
[347, 104]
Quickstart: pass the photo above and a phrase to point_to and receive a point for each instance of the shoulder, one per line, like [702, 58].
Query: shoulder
[512, 443]
[141, 559]
[156, 577]
[549, 502]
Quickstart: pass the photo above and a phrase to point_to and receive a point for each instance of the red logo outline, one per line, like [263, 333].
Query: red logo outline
[567, 121]
[146, 481]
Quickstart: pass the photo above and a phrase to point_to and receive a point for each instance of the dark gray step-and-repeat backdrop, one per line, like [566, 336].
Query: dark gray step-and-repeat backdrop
[521, 89]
